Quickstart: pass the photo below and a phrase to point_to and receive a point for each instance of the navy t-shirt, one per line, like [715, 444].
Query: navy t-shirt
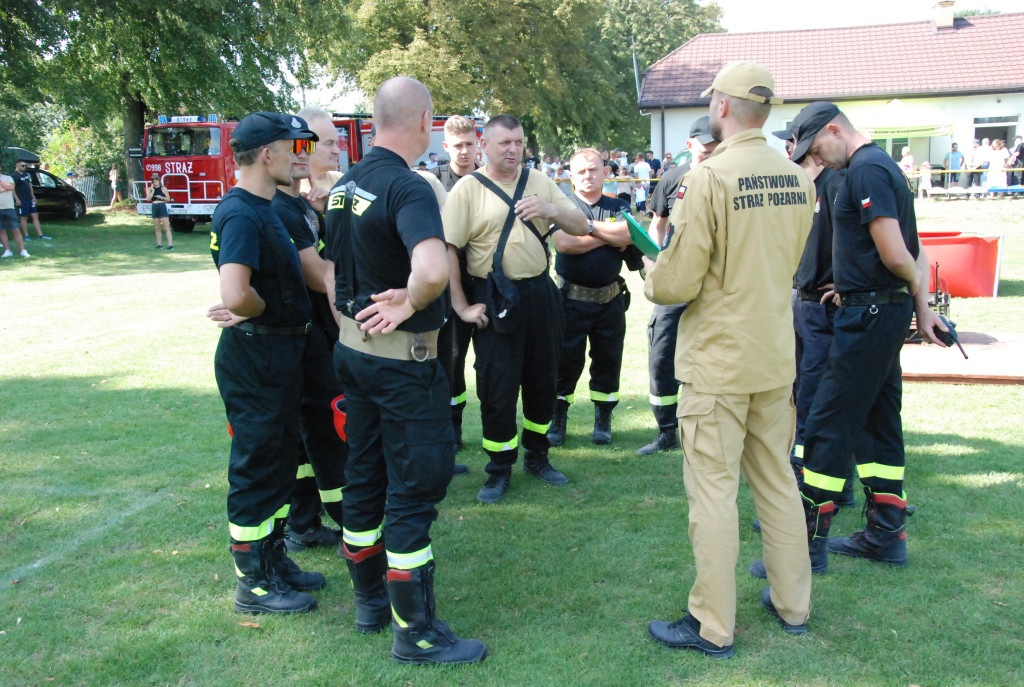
[815, 269]
[663, 197]
[601, 266]
[22, 186]
[393, 210]
[875, 186]
[246, 230]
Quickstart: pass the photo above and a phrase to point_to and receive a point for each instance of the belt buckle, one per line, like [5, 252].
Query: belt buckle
[419, 345]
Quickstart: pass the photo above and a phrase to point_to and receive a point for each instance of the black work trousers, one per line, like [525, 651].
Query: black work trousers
[260, 379]
[604, 325]
[662, 331]
[401, 447]
[525, 359]
[812, 323]
[325, 452]
[856, 410]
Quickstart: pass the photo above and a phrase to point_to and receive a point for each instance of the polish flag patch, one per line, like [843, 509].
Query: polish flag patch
[681, 192]
[866, 203]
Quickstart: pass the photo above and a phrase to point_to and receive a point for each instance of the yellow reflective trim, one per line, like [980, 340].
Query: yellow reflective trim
[331, 495]
[664, 400]
[891, 472]
[258, 591]
[410, 561]
[239, 572]
[824, 482]
[459, 400]
[282, 512]
[305, 470]
[798, 451]
[241, 533]
[536, 426]
[510, 445]
[570, 398]
[398, 618]
[424, 644]
[599, 396]
[367, 538]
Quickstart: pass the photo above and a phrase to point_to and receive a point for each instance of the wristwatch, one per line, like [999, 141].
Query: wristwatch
[590, 223]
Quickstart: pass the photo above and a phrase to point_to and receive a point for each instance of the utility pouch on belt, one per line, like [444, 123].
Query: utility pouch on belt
[500, 296]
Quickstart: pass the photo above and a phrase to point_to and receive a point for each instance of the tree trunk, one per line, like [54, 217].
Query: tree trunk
[133, 117]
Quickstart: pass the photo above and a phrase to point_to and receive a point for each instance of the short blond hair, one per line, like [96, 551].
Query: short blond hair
[585, 151]
[458, 125]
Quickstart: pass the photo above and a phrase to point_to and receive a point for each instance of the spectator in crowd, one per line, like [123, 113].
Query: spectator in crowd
[115, 194]
[1016, 160]
[562, 179]
[610, 186]
[954, 160]
[432, 162]
[25, 199]
[976, 161]
[159, 196]
[907, 161]
[530, 160]
[9, 218]
[998, 159]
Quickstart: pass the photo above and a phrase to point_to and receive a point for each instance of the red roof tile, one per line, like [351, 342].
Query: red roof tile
[980, 54]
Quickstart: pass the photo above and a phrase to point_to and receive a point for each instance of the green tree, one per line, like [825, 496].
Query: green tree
[88, 150]
[133, 58]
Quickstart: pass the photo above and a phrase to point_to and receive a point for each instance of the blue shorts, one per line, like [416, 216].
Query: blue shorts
[28, 207]
[159, 210]
[8, 219]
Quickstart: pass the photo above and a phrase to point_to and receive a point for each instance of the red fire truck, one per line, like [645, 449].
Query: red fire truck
[195, 163]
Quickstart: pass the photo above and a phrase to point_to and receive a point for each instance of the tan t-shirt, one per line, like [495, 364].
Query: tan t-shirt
[474, 216]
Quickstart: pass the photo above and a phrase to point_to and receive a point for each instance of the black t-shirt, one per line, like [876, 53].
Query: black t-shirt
[655, 164]
[246, 230]
[815, 269]
[875, 186]
[532, 162]
[394, 209]
[306, 227]
[663, 197]
[159, 194]
[601, 266]
[22, 185]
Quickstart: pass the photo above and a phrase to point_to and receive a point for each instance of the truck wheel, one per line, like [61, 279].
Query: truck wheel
[183, 226]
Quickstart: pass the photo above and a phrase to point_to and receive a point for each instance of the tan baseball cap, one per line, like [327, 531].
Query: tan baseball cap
[738, 78]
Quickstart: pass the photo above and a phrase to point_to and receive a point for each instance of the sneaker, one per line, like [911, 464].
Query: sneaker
[318, 535]
[766, 601]
[685, 634]
[28, 238]
[537, 464]
[44, 237]
[24, 254]
[494, 488]
[170, 247]
[159, 247]
[7, 254]
[461, 469]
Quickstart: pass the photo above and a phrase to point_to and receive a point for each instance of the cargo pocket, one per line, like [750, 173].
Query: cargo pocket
[430, 458]
[699, 429]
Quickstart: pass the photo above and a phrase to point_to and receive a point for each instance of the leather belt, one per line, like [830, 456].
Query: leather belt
[575, 292]
[809, 295]
[262, 329]
[398, 345]
[880, 297]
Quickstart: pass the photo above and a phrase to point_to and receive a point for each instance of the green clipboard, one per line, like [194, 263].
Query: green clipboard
[640, 238]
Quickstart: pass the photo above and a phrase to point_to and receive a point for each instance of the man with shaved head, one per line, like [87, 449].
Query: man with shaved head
[391, 271]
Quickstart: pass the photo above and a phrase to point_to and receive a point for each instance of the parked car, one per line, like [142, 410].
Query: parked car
[55, 197]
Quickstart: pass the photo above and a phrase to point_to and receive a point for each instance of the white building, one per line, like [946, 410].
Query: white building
[923, 84]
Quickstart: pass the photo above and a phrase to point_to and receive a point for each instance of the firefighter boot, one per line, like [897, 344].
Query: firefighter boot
[667, 440]
[819, 520]
[602, 422]
[884, 540]
[287, 569]
[419, 636]
[556, 432]
[259, 589]
[367, 567]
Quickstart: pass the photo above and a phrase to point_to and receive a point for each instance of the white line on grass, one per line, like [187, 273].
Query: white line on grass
[69, 546]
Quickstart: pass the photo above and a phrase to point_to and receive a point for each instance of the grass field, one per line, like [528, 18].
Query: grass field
[114, 568]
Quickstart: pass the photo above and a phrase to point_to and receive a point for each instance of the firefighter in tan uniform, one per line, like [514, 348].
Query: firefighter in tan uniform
[740, 224]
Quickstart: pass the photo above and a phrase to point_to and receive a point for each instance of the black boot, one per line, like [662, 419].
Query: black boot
[602, 422]
[667, 440]
[259, 589]
[536, 463]
[884, 540]
[556, 431]
[368, 567]
[290, 572]
[819, 520]
[419, 636]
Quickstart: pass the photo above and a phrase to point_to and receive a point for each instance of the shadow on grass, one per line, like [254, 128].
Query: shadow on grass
[1011, 287]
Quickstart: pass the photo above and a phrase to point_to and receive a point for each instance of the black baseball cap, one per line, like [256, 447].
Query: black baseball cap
[701, 130]
[806, 125]
[261, 128]
[784, 134]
